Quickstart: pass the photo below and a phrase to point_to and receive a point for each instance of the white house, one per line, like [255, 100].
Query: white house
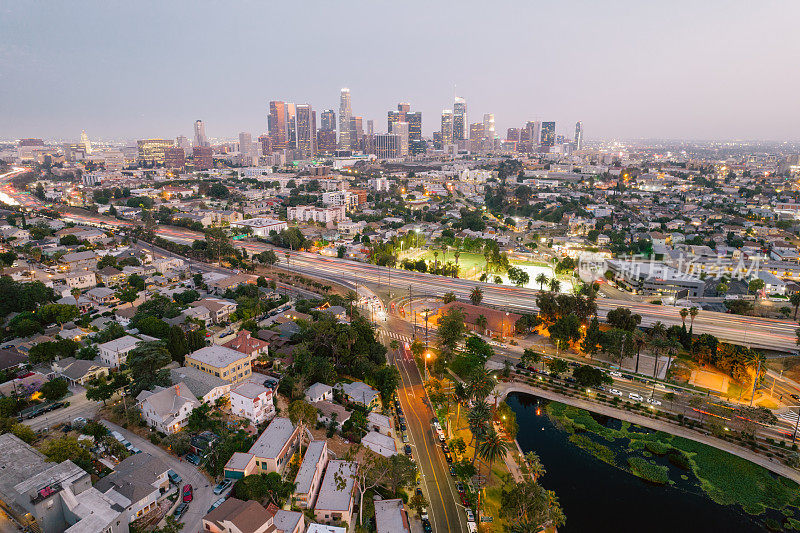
[167, 408]
[137, 484]
[253, 402]
[309, 475]
[319, 392]
[379, 443]
[115, 353]
[380, 423]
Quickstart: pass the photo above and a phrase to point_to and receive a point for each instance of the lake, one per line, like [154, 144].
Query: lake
[596, 496]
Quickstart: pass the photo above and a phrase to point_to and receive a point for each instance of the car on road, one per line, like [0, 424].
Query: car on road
[448, 457]
[180, 510]
[615, 392]
[408, 450]
[445, 449]
[426, 526]
[79, 421]
[188, 493]
[216, 504]
[223, 486]
[637, 397]
[615, 374]
[405, 438]
[470, 515]
[192, 458]
[795, 397]
[653, 401]
[174, 477]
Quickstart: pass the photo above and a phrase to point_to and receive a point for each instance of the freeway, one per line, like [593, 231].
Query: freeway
[765, 333]
[437, 484]
[12, 196]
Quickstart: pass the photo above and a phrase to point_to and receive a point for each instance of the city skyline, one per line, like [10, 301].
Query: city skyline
[626, 71]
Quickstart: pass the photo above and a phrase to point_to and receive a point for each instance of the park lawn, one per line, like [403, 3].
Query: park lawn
[469, 263]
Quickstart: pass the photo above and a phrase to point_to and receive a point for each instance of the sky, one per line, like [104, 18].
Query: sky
[700, 69]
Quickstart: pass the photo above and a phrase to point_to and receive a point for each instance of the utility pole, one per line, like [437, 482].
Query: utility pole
[794, 437]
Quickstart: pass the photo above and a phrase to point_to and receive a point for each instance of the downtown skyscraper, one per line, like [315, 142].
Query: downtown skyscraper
[200, 133]
[460, 123]
[306, 130]
[277, 125]
[447, 127]
[548, 139]
[345, 114]
[579, 135]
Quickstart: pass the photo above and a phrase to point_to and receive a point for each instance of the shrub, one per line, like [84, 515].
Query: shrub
[648, 471]
[657, 447]
[679, 459]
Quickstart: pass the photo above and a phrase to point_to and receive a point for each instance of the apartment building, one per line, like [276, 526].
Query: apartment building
[221, 362]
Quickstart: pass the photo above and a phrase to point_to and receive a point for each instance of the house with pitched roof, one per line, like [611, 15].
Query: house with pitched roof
[140, 480]
[167, 408]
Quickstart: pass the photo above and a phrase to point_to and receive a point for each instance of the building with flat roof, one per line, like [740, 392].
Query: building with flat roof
[335, 503]
[221, 362]
[391, 517]
[252, 401]
[270, 452]
[261, 227]
[309, 475]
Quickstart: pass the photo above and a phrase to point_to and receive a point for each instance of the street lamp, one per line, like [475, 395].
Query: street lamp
[427, 356]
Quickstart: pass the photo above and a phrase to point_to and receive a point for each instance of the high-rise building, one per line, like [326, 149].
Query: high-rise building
[87, 146]
[403, 107]
[476, 131]
[459, 119]
[277, 125]
[291, 125]
[328, 120]
[183, 143]
[203, 157]
[246, 153]
[414, 125]
[488, 126]
[534, 131]
[306, 130]
[548, 139]
[392, 117]
[447, 127]
[200, 138]
[326, 141]
[387, 145]
[356, 131]
[345, 113]
[266, 144]
[151, 151]
[370, 128]
[401, 129]
[512, 134]
[579, 135]
[174, 158]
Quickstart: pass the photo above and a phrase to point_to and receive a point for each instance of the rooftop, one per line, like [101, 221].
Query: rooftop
[331, 498]
[273, 439]
[200, 383]
[305, 474]
[217, 356]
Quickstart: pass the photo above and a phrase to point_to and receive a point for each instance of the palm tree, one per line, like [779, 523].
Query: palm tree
[693, 311]
[478, 419]
[533, 466]
[461, 396]
[457, 254]
[795, 300]
[555, 285]
[640, 340]
[684, 313]
[476, 296]
[541, 279]
[481, 384]
[76, 293]
[481, 322]
[492, 447]
[436, 259]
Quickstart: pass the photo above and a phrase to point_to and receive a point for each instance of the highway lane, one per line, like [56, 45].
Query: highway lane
[772, 334]
[755, 332]
[437, 485]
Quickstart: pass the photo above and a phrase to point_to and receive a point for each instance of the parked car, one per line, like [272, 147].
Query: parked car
[402, 427]
[192, 458]
[615, 374]
[223, 486]
[79, 421]
[445, 449]
[653, 401]
[470, 515]
[418, 491]
[637, 397]
[180, 510]
[188, 493]
[460, 487]
[448, 457]
[216, 504]
[174, 477]
[616, 392]
[426, 526]
[405, 438]
[452, 471]
[408, 449]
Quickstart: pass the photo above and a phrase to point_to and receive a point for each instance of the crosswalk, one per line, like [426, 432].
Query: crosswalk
[395, 336]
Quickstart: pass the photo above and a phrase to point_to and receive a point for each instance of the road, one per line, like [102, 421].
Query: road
[12, 196]
[78, 406]
[203, 488]
[437, 484]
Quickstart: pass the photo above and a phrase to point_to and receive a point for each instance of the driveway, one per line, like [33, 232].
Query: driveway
[203, 495]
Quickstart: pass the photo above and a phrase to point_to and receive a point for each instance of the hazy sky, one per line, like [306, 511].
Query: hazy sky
[699, 69]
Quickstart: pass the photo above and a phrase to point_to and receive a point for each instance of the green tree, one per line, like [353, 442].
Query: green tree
[492, 447]
[589, 376]
[566, 329]
[55, 389]
[591, 341]
[451, 329]
[755, 285]
[302, 414]
[418, 503]
[147, 362]
[557, 366]
[128, 295]
[449, 297]
[529, 507]
[177, 344]
[401, 472]
[476, 296]
[542, 280]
